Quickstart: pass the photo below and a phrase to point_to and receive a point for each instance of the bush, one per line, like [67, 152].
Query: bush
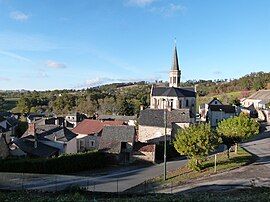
[63, 164]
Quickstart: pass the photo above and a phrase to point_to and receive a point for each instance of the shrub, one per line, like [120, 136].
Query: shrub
[62, 164]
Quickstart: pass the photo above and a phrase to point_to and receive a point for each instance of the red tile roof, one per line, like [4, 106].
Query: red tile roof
[90, 127]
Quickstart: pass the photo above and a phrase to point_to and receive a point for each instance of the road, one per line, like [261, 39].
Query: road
[111, 182]
[255, 174]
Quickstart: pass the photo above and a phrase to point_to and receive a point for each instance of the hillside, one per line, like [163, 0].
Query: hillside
[126, 98]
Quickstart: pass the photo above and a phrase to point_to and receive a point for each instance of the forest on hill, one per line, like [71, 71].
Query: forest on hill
[123, 98]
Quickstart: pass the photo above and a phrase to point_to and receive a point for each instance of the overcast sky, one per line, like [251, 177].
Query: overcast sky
[49, 44]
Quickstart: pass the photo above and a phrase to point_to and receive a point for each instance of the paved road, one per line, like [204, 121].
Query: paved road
[255, 174]
[112, 182]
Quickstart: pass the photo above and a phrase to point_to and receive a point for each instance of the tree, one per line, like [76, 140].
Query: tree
[86, 105]
[24, 105]
[124, 107]
[2, 102]
[237, 129]
[196, 142]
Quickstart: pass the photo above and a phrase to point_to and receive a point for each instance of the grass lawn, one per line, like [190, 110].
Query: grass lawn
[252, 194]
[184, 175]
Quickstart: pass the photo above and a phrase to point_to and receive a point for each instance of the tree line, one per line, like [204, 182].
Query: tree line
[109, 99]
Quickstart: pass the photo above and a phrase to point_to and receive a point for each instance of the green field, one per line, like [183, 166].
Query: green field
[185, 174]
[225, 98]
[10, 103]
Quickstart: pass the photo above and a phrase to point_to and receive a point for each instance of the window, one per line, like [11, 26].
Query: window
[178, 79]
[174, 79]
[180, 104]
[92, 143]
[186, 103]
[215, 102]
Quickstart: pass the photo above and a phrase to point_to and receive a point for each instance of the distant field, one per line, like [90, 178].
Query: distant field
[225, 98]
[10, 103]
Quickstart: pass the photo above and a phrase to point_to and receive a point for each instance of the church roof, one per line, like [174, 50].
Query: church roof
[173, 92]
[175, 64]
[155, 117]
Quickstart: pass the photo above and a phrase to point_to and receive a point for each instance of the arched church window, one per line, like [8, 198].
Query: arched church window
[174, 79]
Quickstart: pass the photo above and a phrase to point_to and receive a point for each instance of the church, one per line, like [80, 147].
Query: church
[173, 96]
[180, 105]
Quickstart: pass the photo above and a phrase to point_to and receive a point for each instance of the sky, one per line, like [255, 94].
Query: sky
[64, 44]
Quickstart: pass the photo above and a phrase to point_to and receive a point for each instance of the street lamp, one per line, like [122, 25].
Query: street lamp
[165, 138]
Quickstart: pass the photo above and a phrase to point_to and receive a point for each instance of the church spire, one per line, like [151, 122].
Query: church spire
[175, 72]
[175, 65]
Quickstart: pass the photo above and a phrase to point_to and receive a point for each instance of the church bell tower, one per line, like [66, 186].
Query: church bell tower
[175, 72]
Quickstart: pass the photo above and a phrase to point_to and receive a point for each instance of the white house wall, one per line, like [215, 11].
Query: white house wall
[71, 146]
[216, 116]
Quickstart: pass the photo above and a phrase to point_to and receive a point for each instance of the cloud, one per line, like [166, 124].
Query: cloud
[169, 10]
[140, 3]
[55, 64]
[4, 79]
[98, 81]
[19, 16]
[217, 72]
[15, 56]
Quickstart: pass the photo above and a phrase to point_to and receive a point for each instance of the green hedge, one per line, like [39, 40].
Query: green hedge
[63, 164]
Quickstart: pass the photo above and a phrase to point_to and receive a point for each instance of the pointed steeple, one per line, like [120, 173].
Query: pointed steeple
[175, 73]
[175, 65]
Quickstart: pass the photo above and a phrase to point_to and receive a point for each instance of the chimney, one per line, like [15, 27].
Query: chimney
[32, 129]
[56, 122]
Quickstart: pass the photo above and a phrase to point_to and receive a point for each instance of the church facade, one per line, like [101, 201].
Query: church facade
[180, 105]
[173, 96]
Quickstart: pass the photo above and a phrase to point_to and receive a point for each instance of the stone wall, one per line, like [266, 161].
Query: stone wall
[152, 134]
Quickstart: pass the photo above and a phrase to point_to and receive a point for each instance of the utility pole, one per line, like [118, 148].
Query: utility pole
[165, 143]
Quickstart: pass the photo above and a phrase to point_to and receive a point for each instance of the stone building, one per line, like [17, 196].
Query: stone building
[171, 106]
[173, 96]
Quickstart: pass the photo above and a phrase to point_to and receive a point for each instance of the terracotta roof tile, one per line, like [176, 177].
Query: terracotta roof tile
[89, 126]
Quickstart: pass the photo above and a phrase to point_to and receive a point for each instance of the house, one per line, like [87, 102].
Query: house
[217, 111]
[152, 124]
[118, 140]
[8, 124]
[31, 147]
[260, 100]
[72, 120]
[173, 96]
[34, 117]
[89, 132]
[128, 120]
[54, 139]
[144, 152]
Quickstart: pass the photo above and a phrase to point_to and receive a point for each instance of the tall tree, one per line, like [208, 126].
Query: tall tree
[2, 102]
[196, 142]
[237, 129]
